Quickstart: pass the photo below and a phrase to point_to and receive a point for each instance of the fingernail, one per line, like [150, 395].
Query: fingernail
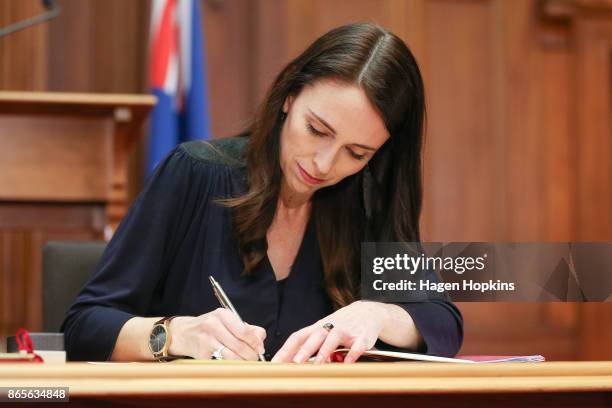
[262, 350]
[348, 359]
[318, 360]
[298, 357]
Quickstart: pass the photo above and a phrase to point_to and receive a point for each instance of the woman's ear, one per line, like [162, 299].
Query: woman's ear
[287, 104]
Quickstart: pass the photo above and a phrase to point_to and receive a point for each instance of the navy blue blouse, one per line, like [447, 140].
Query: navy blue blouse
[174, 236]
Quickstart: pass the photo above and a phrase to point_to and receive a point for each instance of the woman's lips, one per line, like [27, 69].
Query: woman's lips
[308, 178]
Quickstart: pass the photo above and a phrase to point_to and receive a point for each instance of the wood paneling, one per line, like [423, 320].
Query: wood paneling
[462, 167]
[62, 176]
[23, 54]
[98, 46]
[594, 127]
[65, 145]
[101, 46]
[229, 41]
[508, 159]
[559, 163]
[522, 105]
[269, 30]
[24, 229]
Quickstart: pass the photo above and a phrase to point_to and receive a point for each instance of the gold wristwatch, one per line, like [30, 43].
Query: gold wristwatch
[160, 340]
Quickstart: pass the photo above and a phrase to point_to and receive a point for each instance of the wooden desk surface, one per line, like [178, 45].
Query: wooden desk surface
[218, 379]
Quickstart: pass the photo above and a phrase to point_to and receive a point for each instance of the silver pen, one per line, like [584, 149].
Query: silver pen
[226, 303]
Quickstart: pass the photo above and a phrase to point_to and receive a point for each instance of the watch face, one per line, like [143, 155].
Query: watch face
[157, 338]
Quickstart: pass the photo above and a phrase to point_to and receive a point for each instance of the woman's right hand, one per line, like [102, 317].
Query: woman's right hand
[200, 336]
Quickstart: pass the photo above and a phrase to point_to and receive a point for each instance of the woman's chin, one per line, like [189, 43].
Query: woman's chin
[302, 187]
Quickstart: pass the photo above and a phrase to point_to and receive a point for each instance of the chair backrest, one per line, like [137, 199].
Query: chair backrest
[67, 265]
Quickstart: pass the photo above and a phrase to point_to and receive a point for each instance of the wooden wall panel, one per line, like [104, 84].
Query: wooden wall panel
[559, 163]
[519, 64]
[93, 46]
[346, 11]
[24, 229]
[101, 46]
[64, 143]
[462, 173]
[23, 55]
[98, 46]
[228, 34]
[594, 128]
[269, 52]
[69, 34]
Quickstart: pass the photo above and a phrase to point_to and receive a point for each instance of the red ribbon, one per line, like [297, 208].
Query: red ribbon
[24, 343]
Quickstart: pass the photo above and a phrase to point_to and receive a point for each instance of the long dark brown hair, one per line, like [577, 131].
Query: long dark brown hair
[381, 202]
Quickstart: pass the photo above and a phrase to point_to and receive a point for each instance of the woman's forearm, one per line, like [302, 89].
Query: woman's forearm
[133, 340]
[398, 328]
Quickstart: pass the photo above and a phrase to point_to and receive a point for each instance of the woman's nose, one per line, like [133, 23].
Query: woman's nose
[324, 160]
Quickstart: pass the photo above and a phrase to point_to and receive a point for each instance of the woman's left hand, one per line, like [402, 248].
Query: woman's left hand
[355, 327]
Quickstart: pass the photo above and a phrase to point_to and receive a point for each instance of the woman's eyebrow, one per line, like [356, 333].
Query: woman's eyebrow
[364, 147]
[320, 119]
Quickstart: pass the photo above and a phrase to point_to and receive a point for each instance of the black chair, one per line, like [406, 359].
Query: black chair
[67, 265]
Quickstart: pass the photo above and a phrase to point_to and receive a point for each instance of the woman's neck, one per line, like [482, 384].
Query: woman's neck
[292, 200]
[293, 206]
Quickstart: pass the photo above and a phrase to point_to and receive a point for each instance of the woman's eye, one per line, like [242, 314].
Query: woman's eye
[314, 131]
[356, 156]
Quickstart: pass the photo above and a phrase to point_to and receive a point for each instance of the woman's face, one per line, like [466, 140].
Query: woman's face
[331, 132]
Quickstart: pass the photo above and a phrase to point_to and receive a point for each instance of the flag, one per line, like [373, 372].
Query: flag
[177, 78]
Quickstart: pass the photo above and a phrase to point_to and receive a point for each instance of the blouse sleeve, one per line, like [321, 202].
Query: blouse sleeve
[135, 259]
[438, 321]
[440, 324]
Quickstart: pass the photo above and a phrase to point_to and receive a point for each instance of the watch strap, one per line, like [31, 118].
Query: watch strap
[163, 320]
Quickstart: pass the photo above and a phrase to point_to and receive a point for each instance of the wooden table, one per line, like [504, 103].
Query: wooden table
[262, 384]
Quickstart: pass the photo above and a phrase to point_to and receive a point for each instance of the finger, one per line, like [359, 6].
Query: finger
[207, 345]
[242, 331]
[260, 332]
[333, 340]
[227, 338]
[311, 345]
[357, 349]
[291, 346]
